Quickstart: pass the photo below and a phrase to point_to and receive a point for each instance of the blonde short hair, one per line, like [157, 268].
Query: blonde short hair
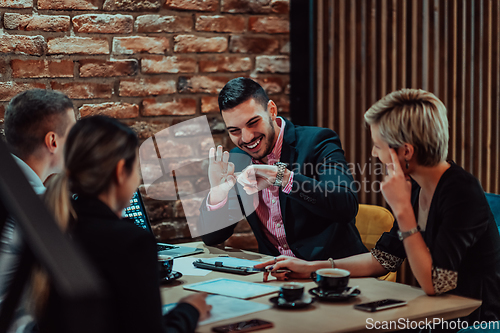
[416, 117]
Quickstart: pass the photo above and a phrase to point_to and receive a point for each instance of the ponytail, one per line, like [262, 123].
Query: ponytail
[57, 199]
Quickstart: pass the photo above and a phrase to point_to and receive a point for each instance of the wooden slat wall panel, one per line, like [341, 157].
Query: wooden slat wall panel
[366, 49]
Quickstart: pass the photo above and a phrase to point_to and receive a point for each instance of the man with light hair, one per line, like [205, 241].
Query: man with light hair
[37, 122]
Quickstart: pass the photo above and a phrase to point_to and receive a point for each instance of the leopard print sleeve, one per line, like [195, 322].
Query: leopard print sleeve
[443, 280]
[387, 260]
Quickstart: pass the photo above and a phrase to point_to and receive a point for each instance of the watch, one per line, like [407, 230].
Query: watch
[281, 172]
[406, 234]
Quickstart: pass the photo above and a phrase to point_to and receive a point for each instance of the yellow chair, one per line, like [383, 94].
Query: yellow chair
[372, 222]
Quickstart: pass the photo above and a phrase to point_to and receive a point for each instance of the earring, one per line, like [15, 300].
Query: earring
[407, 165]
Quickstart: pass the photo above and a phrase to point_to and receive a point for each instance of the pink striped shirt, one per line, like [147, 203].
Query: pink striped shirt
[267, 202]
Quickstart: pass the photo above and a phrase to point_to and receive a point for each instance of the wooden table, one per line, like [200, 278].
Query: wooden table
[332, 316]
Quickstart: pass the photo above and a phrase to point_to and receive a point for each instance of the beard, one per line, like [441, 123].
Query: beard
[267, 142]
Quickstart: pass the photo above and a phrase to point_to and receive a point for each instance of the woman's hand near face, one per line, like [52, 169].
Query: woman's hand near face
[396, 188]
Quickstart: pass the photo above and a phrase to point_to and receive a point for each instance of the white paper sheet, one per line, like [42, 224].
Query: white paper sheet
[225, 307]
[185, 266]
[233, 288]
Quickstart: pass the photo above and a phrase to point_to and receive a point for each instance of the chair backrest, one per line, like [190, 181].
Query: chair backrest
[372, 222]
[494, 201]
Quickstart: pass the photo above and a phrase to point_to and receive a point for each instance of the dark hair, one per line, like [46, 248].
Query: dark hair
[33, 113]
[240, 90]
[93, 148]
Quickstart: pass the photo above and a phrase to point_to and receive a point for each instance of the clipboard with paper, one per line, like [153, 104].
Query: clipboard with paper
[228, 265]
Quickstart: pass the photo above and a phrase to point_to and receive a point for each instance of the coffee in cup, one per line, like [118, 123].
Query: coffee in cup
[165, 265]
[291, 291]
[331, 279]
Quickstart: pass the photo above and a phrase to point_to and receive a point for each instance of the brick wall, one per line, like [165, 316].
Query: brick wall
[151, 63]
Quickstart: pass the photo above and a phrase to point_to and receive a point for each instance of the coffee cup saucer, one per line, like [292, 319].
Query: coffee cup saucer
[171, 277]
[334, 296]
[280, 302]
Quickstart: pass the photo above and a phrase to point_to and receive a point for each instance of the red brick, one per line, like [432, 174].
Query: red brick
[159, 210]
[78, 45]
[202, 84]
[250, 44]
[103, 23]
[209, 104]
[2, 112]
[283, 104]
[131, 5]
[84, 90]
[272, 64]
[189, 207]
[138, 44]
[179, 107]
[16, 3]
[208, 143]
[146, 87]
[103, 68]
[41, 68]
[69, 4]
[269, 25]
[256, 7]
[10, 89]
[31, 45]
[114, 110]
[145, 129]
[169, 148]
[189, 167]
[272, 85]
[172, 232]
[225, 64]
[191, 44]
[3, 67]
[220, 23]
[49, 23]
[172, 64]
[285, 46]
[157, 23]
[199, 5]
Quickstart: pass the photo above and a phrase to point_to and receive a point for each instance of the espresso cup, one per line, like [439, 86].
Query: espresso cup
[165, 265]
[291, 291]
[331, 279]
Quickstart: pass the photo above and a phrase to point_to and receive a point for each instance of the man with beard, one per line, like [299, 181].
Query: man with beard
[294, 186]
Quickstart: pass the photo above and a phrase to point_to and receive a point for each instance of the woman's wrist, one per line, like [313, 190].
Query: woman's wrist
[315, 265]
[406, 218]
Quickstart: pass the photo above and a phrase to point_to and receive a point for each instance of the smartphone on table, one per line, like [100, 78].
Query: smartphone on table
[380, 305]
[244, 326]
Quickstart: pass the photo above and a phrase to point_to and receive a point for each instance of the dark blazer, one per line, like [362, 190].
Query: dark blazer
[318, 214]
[126, 258]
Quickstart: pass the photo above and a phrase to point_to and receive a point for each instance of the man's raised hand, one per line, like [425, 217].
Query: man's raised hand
[220, 175]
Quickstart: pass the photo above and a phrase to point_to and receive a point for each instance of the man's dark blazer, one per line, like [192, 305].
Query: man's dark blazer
[318, 214]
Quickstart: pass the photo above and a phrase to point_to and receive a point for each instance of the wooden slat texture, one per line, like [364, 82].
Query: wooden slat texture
[366, 49]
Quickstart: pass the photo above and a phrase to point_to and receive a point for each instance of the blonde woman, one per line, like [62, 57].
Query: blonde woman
[444, 226]
[102, 173]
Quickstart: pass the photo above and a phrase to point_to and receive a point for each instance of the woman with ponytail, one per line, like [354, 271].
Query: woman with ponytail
[100, 176]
